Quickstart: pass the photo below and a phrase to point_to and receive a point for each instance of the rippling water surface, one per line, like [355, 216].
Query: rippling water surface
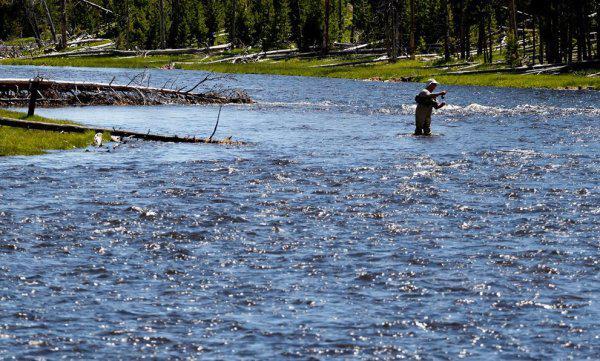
[334, 233]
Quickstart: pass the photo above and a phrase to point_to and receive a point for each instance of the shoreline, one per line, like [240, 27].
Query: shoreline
[401, 71]
[27, 142]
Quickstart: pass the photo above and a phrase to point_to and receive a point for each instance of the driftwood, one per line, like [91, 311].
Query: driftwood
[284, 54]
[89, 3]
[70, 128]
[52, 93]
[353, 63]
[86, 41]
[443, 66]
[255, 56]
[117, 52]
[483, 71]
[536, 69]
[307, 54]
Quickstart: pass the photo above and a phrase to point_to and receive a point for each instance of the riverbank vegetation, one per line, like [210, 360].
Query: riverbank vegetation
[17, 141]
[491, 39]
[402, 70]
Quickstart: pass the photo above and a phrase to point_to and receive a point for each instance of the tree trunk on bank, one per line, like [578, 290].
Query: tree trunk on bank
[50, 22]
[461, 32]
[163, 25]
[394, 32]
[490, 39]
[580, 34]
[63, 25]
[524, 36]
[533, 40]
[340, 21]
[481, 34]
[411, 44]
[468, 42]
[597, 29]
[32, 18]
[447, 32]
[325, 48]
[512, 17]
[234, 36]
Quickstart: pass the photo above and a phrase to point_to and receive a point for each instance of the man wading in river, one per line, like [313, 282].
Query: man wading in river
[426, 101]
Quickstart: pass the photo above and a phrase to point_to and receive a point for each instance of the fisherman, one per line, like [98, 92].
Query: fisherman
[426, 101]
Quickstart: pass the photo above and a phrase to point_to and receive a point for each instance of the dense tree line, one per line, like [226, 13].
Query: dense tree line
[529, 30]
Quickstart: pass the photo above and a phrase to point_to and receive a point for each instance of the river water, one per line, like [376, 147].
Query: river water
[334, 233]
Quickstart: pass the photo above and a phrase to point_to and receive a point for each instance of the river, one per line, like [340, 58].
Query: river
[333, 233]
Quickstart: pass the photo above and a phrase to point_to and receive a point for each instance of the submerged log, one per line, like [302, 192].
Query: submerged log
[15, 92]
[71, 128]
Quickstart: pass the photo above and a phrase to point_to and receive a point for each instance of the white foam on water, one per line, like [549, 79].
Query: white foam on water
[479, 109]
[449, 109]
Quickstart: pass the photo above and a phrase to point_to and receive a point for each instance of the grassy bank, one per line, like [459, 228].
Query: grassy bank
[408, 69]
[414, 70]
[16, 141]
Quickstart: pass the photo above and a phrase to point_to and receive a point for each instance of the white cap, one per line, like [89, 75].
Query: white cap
[430, 82]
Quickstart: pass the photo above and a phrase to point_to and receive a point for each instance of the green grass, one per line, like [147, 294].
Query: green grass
[310, 67]
[412, 70]
[17, 141]
[100, 61]
[19, 41]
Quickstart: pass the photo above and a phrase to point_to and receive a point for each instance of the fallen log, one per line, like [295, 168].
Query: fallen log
[86, 41]
[85, 52]
[356, 47]
[71, 128]
[15, 92]
[117, 52]
[185, 50]
[353, 63]
[255, 56]
[546, 70]
[308, 54]
[283, 54]
[535, 69]
[94, 5]
[484, 71]
[449, 65]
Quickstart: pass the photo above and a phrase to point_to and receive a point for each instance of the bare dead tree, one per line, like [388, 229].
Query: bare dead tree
[53, 93]
[63, 25]
[30, 13]
[50, 21]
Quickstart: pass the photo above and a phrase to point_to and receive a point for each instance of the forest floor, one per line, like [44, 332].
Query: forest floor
[17, 141]
[403, 70]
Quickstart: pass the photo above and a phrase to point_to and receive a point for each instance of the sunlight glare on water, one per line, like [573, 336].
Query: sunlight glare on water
[334, 233]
